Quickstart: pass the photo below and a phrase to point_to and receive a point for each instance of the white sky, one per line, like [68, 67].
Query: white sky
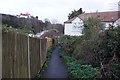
[55, 9]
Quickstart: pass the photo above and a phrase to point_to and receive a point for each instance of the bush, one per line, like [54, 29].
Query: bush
[97, 47]
[76, 70]
[109, 52]
[24, 30]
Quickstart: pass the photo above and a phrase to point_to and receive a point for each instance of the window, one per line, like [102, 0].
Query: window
[74, 26]
[77, 26]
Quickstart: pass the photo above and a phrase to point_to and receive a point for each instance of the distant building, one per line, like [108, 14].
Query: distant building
[27, 15]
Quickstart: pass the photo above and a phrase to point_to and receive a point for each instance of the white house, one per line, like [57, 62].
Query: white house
[74, 26]
[24, 15]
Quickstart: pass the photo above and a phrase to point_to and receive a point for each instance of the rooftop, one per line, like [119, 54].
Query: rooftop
[111, 16]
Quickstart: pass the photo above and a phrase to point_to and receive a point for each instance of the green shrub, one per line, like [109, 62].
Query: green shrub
[76, 70]
[96, 47]
[23, 30]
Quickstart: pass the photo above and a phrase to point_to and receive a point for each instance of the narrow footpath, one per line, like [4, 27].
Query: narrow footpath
[55, 69]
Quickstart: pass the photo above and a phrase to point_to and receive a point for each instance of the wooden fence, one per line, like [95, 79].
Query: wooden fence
[49, 43]
[0, 49]
[22, 56]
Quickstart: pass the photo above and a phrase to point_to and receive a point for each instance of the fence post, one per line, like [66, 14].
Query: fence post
[28, 59]
[0, 46]
[40, 55]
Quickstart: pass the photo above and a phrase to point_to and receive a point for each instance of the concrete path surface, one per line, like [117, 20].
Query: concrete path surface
[55, 69]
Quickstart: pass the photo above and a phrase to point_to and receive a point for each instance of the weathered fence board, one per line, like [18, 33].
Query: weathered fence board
[34, 56]
[20, 57]
[0, 46]
[15, 55]
[43, 50]
[49, 43]
[6, 60]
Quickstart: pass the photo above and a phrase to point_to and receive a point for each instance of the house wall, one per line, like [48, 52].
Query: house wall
[68, 29]
[21, 16]
[106, 24]
[116, 23]
[74, 28]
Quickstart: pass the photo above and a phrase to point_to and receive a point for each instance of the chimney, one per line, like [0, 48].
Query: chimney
[112, 18]
[119, 9]
[119, 6]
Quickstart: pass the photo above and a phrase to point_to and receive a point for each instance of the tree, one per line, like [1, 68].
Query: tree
[75, 13]
[92, 28]
[46, 19]
[54, 21]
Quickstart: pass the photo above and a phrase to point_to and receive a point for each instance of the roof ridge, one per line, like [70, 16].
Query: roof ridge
[102, 14]
[99, 12]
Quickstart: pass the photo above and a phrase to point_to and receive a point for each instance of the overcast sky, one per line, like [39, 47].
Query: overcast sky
[55, 9]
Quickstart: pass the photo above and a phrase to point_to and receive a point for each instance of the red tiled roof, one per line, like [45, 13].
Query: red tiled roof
[104, 16]
[70, 20]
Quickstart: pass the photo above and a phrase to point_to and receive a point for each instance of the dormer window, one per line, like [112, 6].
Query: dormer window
[112, 18]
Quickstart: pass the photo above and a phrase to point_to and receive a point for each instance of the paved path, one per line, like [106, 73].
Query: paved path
[55, 69]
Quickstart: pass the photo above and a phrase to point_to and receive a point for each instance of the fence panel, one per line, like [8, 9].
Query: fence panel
[34, 56]
[7, 59]
[43, 50]
[49, 43]
[20, 57]
[15, 55]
